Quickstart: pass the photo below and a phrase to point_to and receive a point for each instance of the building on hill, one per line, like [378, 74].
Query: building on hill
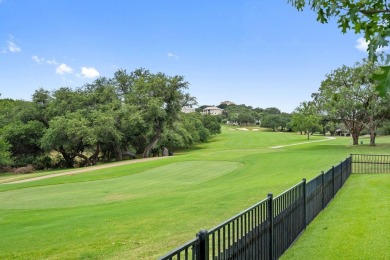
[212, 111]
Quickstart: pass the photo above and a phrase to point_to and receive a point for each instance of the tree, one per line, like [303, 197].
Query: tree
[24, 139]
[159, 98]
[69, 135]
[348, 95]
[378, 111]
[195, 124]
[370, 17]
[306, 118]
[284, 120]
[330, 127]
[271, 121]
[241, 114]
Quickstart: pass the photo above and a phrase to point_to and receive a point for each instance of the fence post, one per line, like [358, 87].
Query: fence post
[304, 203]
[203, 252]
[271, 227]
[323, 189]
[341, 174]
[350, 163]
[333, 181]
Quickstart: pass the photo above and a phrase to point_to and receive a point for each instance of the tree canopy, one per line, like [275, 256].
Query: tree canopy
[306, 118]
[348, 95]
[108, 119]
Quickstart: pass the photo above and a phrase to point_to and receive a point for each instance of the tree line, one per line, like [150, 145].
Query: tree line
[243, 115]
[131, 114]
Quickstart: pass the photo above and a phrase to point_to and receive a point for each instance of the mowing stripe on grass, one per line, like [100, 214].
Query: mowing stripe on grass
[354, 226]
[159, 180]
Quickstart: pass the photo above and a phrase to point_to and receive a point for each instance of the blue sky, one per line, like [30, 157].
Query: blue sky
[261, 53]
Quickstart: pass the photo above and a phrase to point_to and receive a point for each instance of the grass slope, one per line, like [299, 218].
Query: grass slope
[354, 226]
[141, 211]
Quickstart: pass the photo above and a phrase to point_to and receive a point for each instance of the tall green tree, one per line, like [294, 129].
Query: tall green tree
[271, 121]
[159, 98]
[70, 135]
[348, 95]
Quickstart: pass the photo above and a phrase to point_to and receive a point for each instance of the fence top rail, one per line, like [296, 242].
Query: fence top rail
[370, 154]
[318, 176]
[293, 187]
[179, 249]
[216, 228]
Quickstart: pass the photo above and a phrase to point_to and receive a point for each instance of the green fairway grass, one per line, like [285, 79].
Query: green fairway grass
[356, 225]
[144, 210]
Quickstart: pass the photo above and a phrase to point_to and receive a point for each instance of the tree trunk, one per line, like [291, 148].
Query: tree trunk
[93, 158]
[86, 159]
[67, 157]
[372, 131]
[152, 143]
[372, 139]
[308, 135]
[355, 138]
[118, 153]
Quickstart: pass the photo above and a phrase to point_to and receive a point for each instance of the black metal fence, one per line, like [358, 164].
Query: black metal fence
[267, 229]
[369, 163]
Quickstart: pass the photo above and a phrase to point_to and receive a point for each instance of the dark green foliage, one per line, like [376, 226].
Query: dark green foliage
[242, 114]
[271, 121]
[108, 119]
[383, 78]
[211, 123]
[348, 95]
[24, 139]
[5, 156]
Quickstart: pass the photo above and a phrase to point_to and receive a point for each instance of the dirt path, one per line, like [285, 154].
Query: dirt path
[87, 169]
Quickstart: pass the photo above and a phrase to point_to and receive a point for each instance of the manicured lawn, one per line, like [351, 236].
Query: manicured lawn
[142, 211]
[356, 224]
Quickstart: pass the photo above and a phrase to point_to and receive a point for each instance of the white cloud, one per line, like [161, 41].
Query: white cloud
[41, 60]
[37, 59]
[11, 45]
[52, 62]
[64, 69]
[89, 72]
[172, 55]
[362, 45]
